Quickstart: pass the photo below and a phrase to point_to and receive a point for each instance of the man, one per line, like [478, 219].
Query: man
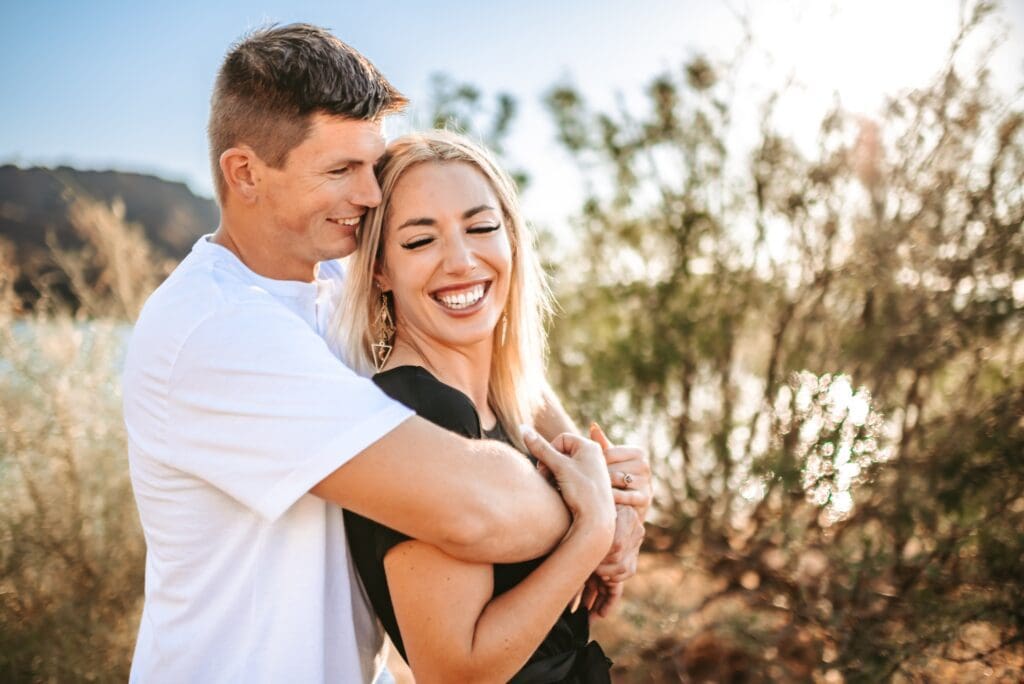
[246, 433]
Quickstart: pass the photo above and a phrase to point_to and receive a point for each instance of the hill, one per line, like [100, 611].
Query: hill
[34, 201]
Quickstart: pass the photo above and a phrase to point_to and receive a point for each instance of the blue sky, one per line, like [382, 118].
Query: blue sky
[125, 84]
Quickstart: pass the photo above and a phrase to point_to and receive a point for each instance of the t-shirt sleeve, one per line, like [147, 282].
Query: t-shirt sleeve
[260, 408]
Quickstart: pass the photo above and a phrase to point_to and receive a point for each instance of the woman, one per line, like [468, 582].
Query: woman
[446, 301]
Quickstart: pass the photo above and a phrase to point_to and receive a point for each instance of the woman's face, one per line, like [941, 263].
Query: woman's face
[447, 257]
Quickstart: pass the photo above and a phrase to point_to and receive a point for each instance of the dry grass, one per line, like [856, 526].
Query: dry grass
[71, 551]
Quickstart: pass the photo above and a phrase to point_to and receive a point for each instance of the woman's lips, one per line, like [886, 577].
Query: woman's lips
[463, 298]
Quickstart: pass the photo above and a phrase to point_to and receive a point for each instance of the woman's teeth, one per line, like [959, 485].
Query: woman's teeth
[462, 300]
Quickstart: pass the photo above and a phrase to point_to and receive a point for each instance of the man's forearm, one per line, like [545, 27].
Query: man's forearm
[477, 500]
[525, 516]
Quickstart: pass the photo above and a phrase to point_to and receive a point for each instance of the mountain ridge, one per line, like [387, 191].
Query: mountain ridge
[35, 200]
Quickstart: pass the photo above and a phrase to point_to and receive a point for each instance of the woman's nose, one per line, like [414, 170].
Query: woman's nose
[458, 257]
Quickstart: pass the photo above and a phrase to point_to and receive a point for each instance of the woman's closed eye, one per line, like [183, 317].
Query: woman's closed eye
[425, 240]
[417, 242]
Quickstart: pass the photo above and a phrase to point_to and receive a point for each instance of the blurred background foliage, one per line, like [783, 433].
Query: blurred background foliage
[822, 352]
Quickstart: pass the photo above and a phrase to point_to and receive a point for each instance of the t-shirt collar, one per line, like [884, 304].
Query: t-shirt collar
[279, 288]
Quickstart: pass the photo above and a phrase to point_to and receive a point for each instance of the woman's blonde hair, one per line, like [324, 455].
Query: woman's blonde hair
[516, 383]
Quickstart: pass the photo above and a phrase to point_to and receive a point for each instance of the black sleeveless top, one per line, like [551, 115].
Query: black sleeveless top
[564, 655]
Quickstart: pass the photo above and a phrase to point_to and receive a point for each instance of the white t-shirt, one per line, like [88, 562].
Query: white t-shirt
[235, 408]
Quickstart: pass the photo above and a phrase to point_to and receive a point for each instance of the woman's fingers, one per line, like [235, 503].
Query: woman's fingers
[545, 453]
[627, 480]
[597, 434]
[629, 497]
[635, 468]
[545, 472]
[625, 453]
[579, 471]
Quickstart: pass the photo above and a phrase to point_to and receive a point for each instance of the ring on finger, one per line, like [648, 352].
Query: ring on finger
[627, 479]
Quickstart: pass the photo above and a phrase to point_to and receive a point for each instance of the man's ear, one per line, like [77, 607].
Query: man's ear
[242, 171]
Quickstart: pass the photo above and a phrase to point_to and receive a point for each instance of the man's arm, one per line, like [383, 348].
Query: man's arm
[470, 498]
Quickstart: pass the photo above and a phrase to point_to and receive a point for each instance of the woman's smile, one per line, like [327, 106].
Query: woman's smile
[463, 299]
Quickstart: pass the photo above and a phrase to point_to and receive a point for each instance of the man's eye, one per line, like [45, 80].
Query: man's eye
[340, 172]
[418, 242]
[484, 229]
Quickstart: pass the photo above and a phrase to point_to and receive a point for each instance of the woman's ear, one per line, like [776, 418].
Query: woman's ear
[381, 279]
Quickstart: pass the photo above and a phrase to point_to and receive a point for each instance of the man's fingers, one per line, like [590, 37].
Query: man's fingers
[615, 573]
[575, 603]
[590, 592]
[611, 598]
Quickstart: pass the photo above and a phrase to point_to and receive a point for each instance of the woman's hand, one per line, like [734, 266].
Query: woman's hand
[630, 474]
[629, 471]
[581, 474]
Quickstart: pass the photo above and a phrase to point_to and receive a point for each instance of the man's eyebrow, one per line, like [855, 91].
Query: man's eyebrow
[335, 163]
[427, 221]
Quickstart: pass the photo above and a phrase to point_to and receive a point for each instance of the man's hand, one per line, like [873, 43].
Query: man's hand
[620, 563]
[604, 588]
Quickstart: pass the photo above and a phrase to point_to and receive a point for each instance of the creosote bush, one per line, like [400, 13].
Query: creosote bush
[824, 355]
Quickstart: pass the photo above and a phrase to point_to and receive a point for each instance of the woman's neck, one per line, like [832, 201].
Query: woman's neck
[466, 368]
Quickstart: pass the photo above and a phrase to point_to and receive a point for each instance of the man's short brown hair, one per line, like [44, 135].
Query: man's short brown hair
[275, 79]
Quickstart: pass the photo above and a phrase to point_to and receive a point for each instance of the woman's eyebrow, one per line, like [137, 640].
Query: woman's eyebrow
[427, 221]
[476, 210]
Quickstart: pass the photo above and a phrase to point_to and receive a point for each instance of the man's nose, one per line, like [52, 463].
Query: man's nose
[367, 193]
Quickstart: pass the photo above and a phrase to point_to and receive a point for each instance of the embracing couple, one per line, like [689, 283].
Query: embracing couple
[478, 527]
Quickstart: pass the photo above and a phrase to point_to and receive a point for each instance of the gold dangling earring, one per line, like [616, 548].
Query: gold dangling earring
[504, 327]
[385, 331]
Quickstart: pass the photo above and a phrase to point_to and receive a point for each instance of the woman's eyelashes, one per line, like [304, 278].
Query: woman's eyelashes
[417, 242]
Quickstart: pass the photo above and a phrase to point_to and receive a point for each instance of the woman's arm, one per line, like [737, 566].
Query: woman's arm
[551, 419]
[454, 630]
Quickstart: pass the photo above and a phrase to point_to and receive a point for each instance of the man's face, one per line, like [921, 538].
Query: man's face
[314, 203]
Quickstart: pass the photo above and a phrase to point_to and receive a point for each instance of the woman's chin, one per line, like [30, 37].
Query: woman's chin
[459, 336]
